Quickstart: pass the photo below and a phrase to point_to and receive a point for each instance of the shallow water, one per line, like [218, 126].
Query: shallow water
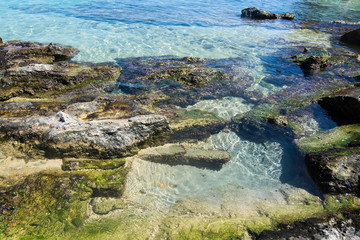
[114, 30]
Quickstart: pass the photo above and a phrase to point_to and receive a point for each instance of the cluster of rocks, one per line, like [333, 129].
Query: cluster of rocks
[257, 14]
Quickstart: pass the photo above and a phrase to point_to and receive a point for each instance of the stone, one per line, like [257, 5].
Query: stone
[287, 16]
[63, 136]
[352, 37]
[1, 41]
[336, 171]
[178, 154]
[312, 62]
[255, 13]
[344, 106]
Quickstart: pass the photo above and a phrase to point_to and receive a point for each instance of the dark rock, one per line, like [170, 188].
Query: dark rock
[177, 154]
[287, 16]
[336, 171]
[189, 77]
[1, 41]
[352, 37]
[317, 229]
[312, 62]
[255, 13]
[344, 106]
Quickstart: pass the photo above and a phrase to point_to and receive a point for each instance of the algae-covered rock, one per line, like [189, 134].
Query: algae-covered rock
[33, 69]
[336, 171]
[344, 106]
[62, 135]
[345, 227]
[20, 53]
[313, 61]
[352, 37]
[177, 154]
[36, 79]
[189, 77]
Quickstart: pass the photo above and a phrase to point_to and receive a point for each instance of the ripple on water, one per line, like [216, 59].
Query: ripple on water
[252, 166]
[226, 107]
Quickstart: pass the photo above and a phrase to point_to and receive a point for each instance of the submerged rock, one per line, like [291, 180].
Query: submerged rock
[344, 106]
[336, 171]
[255, 13]
[178, 154]
[352, 37]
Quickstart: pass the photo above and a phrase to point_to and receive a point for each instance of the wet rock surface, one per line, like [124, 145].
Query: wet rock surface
[177, 154]
[32, 69]
[255, 13]
[316, 229]
[336, 171]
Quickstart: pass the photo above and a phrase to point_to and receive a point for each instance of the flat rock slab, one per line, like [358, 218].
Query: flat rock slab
[64, 136]
[178, 154]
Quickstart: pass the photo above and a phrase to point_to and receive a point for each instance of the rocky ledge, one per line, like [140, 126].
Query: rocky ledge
[34, 69]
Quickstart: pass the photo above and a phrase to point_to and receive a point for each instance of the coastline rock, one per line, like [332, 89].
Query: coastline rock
[1, 41]
[177, 154]
[20, 53]
[336, 171]
[344, 106]
[63, 136]
[255, 13]
[352, 37]
[33, 69]
[35, 78]
[317, 229]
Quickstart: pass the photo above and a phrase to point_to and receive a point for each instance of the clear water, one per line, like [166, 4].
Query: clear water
[108, 30]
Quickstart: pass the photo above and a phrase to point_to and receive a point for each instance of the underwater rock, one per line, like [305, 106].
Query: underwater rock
[344, 106]
[336, 171]
[352, 37]
[189, 77]
[255, 13]
[178, 154]
[317, 229]
[62, 135]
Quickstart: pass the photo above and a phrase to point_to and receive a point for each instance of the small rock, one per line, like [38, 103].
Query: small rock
[255, 13]
[287, 16]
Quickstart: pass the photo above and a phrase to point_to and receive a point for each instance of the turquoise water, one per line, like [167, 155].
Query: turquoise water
[109, 30]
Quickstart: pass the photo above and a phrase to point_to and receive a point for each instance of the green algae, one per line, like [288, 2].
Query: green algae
[338, 137]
